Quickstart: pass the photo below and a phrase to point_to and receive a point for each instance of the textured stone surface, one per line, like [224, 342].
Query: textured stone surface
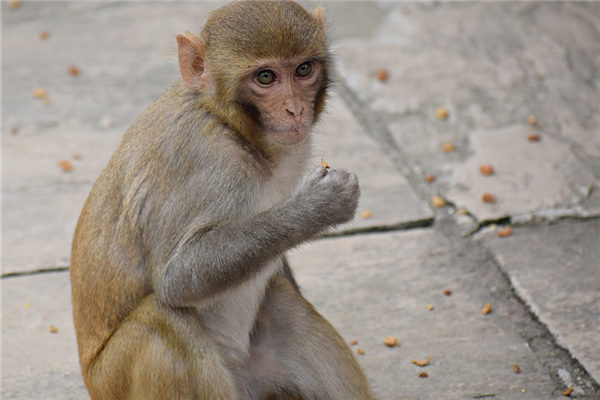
[376, 285]
[89, 113]
[556, 271]
[491, 65]
[387, 200]
[37, 364]
[528, 176]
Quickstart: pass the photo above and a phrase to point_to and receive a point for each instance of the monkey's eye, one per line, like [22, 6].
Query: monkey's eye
[265, 77]
[304, 69]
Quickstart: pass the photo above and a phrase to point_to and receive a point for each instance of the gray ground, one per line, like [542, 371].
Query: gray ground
[492, 65]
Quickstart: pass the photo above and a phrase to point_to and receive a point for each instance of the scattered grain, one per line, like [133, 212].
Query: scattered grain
[438, 201]
[568, 392]
[382, 75]
[73, 70]
[422, 363]
[441, 113]
[488, 198]
[505, 231]
[65, 165]
[448, 147]
[486, 170]
[486, 309]
[517, 369]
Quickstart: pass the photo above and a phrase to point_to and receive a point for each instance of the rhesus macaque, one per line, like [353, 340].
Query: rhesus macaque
[180, 285]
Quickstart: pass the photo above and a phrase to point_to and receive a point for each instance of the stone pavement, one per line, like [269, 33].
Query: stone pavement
[412, 270]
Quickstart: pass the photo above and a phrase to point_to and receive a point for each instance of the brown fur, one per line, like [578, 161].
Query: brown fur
[180, 287]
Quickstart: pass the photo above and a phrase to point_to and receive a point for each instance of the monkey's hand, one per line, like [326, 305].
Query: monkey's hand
[328, 196]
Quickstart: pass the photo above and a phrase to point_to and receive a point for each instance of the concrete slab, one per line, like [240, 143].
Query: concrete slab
[528, 176]
[387, 200]
[491, 65]
[555, 270]
[473, 354]
[88, 114]
[38, 364]
[372, 286]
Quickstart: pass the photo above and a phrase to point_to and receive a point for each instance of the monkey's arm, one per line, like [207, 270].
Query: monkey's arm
[210, 259]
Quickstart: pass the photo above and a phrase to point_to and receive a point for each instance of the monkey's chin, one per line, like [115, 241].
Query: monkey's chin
[290, 137]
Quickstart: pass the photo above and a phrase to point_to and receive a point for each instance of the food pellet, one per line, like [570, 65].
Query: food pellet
[486, 309]
[505, 231]
[534, 137]
[447, 292]
[486, 170]
[516, 369]
[65, 165]
[423, 375]
[360, 352]
[422, 363]
[438, 201]
[568, 391]
[429, 178]
[53, 329]
[441, 113]
[354, 342]
[448, 147]
[14, 4]
[488, 198]
[73, 70]
[382, 75]
[366, 214]
[391, 341]
[40, 94]
[44, 35]
[430, 307]
[532, 120]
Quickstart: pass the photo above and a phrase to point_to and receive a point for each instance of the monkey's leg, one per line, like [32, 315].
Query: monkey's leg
[159, 353]
[299, 354]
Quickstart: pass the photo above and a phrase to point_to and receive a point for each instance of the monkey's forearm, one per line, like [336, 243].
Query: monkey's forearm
[209, 260]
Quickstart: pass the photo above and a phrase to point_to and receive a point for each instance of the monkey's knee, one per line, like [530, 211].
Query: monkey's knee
[159, 353]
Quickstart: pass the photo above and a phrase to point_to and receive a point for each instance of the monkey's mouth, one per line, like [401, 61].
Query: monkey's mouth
[292, 135]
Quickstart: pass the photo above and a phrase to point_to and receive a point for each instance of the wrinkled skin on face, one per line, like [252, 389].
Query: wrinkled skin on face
[280, 96]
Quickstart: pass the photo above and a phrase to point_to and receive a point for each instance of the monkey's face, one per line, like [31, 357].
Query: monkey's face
[280, 96]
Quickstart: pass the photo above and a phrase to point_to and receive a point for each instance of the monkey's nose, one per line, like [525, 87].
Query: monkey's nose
[294, 109]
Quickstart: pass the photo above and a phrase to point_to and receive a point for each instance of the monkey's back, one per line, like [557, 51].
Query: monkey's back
[136, 211]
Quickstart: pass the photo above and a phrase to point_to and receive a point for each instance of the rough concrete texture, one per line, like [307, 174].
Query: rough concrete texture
[492, 65]
[569, 252]
[88, 114]
[36, 363]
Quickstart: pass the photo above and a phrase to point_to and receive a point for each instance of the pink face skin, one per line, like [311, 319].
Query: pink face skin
[284, 93]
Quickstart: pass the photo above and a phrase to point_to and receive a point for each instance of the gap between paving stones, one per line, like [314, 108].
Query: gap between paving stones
[388, 146]
[538, 336]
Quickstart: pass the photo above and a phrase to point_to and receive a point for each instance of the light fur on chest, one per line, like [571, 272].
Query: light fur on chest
[231, 315]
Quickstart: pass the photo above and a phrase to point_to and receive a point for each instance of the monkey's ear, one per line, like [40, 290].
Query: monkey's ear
[191, 60]
[319, 13]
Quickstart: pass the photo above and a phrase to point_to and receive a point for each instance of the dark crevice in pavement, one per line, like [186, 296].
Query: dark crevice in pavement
[39, 271]
[543, 343]
[381, 135]
[403, 226]
[535, 333]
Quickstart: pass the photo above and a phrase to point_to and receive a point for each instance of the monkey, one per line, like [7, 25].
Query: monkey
[180, 284]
